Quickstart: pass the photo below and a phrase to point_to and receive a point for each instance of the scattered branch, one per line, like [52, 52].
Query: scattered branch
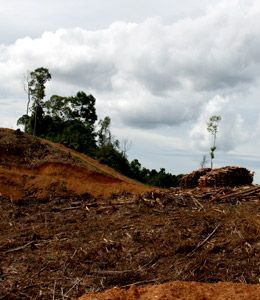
[204, 241]
[141, 282]
[20, 248]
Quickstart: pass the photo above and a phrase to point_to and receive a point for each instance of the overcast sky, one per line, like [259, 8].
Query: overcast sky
[159, 69]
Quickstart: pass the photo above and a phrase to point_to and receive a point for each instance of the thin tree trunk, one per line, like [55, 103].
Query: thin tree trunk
[35, 120]
[28, 103]
[212, 151]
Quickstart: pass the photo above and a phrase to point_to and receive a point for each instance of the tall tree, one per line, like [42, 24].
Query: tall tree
[35, 89]
[71, 121]
[104, 133]
[213, 129]
[80, 107]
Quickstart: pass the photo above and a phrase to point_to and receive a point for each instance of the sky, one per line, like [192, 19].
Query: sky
[159, 69]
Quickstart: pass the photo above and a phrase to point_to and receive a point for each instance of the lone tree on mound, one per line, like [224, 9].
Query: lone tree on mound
[35, 89]
[213, 129]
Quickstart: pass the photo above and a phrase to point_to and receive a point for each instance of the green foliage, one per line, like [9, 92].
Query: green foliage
[213, 124]
[35, 88]
[108, 151]
[67, 120]
[36, 85]
[71, 121]
[153, 177]
[212, 127]
[104, 134]
[80, 107]
[114, 158]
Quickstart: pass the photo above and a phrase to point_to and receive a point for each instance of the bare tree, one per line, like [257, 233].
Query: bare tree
[204, 161]
[26, 88]
[126, 146]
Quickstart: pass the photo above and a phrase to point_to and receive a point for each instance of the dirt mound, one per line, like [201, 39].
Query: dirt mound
[63, 247]
[182, 291]
[33, 167]
[227, 176]
[21, 149]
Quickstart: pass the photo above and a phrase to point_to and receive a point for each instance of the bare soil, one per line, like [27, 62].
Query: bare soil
[65, 232]
[30, 166]
[177, 290]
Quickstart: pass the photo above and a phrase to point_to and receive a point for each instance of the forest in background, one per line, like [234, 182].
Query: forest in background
[73, 121]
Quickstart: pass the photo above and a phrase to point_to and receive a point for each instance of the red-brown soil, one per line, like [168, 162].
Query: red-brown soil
[31, 166]
[178, 290]
[60, 238]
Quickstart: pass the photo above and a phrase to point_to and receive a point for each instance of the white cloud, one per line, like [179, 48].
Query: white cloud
[231, 128]
[154, 73]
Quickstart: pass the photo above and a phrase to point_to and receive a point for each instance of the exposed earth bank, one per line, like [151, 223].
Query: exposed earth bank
[182, 291]
[33, 167]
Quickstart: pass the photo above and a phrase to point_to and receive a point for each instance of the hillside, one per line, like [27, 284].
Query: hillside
[70, 226]
[34, 167]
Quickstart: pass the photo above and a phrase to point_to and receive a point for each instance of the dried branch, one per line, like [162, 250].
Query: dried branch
[205, 240]
[108, 272]
[53, 296]
[141, 282]
[75, 284]
[246, 192]
[20, 248]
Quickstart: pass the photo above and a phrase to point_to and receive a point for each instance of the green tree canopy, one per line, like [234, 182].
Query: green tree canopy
[72, 121]
[35, 88]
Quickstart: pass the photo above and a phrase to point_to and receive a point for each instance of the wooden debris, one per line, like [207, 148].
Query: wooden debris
[247, 192]
[205, 240]
[227, 176]
[192, 180]
[20, 248]
[221, 177]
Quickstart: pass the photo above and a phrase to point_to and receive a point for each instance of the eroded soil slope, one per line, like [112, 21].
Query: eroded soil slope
[65, 246]
[30, 166]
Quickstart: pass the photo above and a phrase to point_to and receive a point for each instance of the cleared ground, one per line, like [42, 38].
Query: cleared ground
[65, 247]
[59, 240]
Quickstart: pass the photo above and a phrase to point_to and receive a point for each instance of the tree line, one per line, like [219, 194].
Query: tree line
[73, 121]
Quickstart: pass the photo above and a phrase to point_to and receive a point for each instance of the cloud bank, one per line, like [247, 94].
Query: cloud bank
[154, 74]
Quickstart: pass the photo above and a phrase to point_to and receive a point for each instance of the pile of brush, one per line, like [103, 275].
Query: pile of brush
[192, 180]
[227, 176]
